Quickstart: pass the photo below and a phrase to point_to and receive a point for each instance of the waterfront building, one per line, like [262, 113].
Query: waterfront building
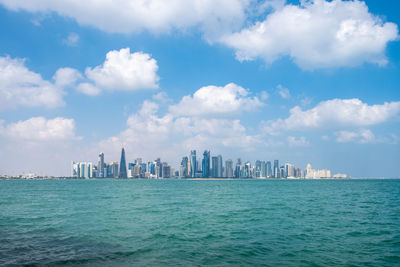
[205, 167]
[257, 169]
[82, 170]
[238, 168]
[219, 166]
[184, 167]
[166, 170]
[122, 166]
[229, 168]
[113, 168]
[269, 169]
[276, 173]
[100, 166]
[316, 174]
[193, 163]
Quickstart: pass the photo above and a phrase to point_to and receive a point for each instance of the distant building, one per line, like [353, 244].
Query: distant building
[100, 166]
[269, 169]
[229, 168]
[316, 174]
[277, 173]
[193, 164]
[82, 170]
[206, 164]
[122, 166]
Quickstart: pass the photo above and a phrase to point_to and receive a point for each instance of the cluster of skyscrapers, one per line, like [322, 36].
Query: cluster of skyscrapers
[192, 167]
[213, 167]
[136, 169]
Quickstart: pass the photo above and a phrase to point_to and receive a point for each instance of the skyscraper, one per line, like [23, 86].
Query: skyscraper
[100, 165]
[214, 167]
[277, 171]
[269, 169]
[229, 168]
[206, 164]
[122, 166]
[219, 165]
[193, 163]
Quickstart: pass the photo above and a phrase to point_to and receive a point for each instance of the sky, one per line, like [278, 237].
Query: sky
[300, 81]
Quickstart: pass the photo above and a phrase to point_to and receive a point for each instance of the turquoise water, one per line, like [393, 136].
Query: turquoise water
[192, 223]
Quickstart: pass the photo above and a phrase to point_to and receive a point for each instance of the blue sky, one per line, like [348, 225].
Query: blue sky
[312, 82]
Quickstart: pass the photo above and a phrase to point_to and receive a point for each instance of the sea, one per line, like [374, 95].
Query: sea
[200, 223]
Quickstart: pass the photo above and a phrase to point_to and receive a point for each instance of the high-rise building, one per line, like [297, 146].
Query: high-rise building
[277, 173]
[193, 163]
[238, 168]
[228, 168]
[100, 165]
[263, 169]
[214, 167]
[184, 167]
[122, 165]
[219, 166]
[269, 169]
[166, 170]
[206, 164]
[113, 168]
[258, 169]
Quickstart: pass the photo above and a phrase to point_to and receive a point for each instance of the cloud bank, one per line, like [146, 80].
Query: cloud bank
[317, 34]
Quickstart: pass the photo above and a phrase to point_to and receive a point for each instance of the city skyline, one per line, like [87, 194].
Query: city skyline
[301, 81]
[189, 168]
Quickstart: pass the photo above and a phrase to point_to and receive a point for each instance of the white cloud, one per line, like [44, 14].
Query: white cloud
[158, 16]
[21, 87]
[283, 92]
[228, 99]
[173, 134]
[317, 34]
[362, 136]
[66, 77]
[72, 39]
[301, 141]
[161, 97]
[40, 129]
[123, 70]
[88, 89]
[336, 113]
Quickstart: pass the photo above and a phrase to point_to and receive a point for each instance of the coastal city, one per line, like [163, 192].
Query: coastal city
[191, 167]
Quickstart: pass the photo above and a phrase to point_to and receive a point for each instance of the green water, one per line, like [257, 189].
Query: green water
[192, 223]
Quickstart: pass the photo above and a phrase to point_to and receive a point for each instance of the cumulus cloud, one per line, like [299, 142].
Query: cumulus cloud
[21, 87]
[41, 129]
[123, 70]
[317, 34]
[228, 99]
[181, 129]
[66, 77]
[336, 113]
[362, 136]
[158, 16]
[88, 89]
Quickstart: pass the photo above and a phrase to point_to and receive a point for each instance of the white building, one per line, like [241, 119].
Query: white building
[82, 169]
[316, 174]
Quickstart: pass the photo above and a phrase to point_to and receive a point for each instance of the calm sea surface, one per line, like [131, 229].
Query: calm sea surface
[192, 223]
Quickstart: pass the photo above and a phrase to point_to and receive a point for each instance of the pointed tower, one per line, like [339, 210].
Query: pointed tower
[122, 166]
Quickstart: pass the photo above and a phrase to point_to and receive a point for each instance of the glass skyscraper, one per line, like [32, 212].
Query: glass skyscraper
[122, 166]
[206, 164]
[193, 163]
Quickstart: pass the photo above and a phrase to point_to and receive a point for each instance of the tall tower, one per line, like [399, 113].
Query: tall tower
[206, 164]
[122, 166]
[100, 165]
[193, 163]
